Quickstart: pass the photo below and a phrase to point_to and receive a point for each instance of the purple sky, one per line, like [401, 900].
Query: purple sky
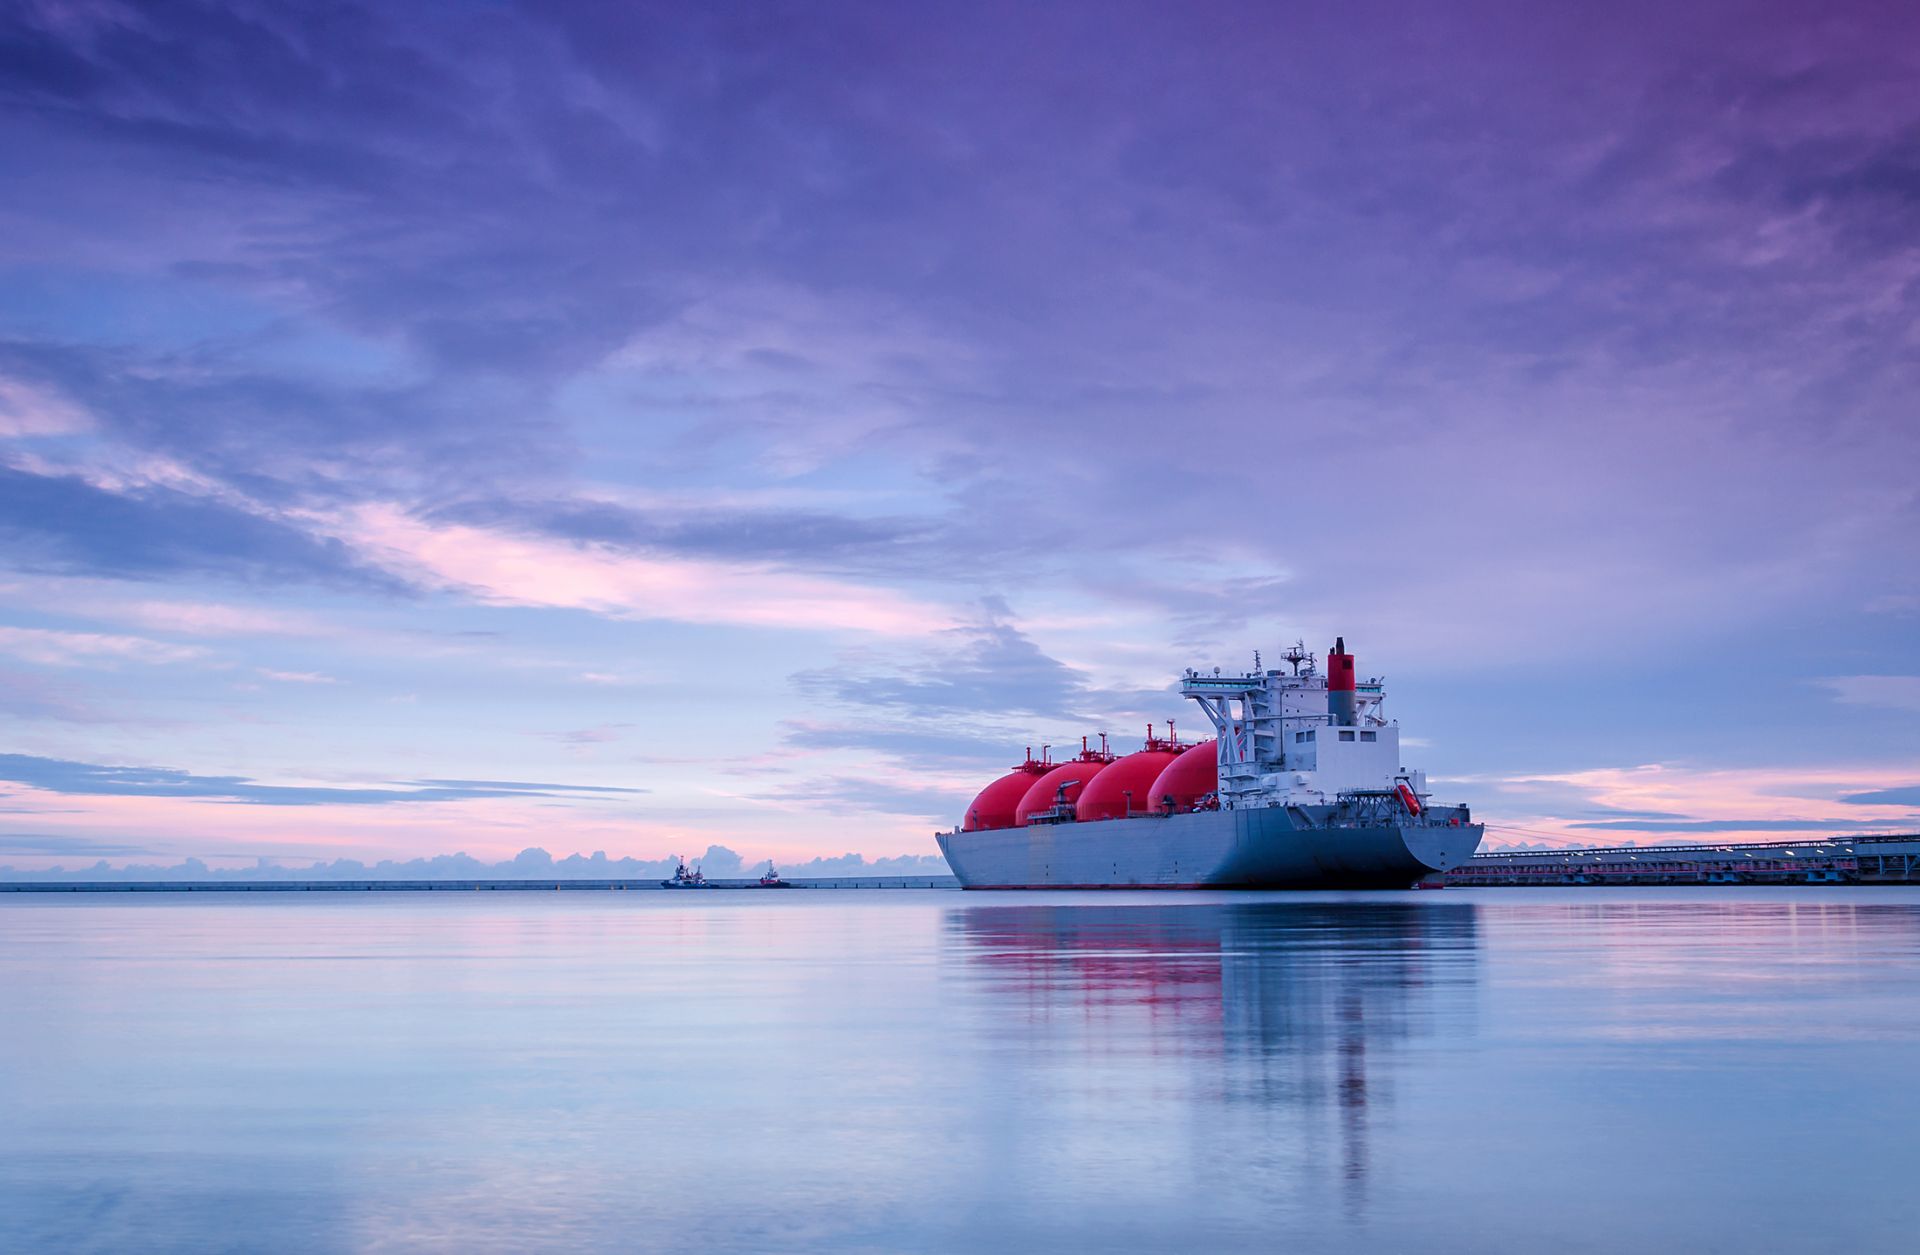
[467, 427]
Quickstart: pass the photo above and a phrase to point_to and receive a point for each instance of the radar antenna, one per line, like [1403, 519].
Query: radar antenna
[1297, 655]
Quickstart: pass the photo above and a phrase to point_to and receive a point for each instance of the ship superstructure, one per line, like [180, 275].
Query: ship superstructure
[1302, 785]
[1298, 737]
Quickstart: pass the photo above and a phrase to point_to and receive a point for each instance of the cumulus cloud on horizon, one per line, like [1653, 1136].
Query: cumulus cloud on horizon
[717, 863]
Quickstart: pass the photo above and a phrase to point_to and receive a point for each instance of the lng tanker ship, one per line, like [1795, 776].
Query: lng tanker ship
[1301, 787]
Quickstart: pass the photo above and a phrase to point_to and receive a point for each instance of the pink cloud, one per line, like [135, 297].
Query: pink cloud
[198, 618]
[504, 569]
[1802, 793]
[26, 410]
[297, 677]
[488, 828]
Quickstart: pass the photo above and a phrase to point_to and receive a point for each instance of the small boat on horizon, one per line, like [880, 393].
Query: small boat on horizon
[772, 879]
[684, 879]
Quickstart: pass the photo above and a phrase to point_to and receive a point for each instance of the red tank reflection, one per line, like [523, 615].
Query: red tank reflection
[1294, 1010]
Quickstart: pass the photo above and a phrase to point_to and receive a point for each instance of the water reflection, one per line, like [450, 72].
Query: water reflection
[1299, 1010]
[1669, 1070]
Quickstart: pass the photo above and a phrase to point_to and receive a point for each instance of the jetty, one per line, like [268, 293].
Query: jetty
[1867, 860]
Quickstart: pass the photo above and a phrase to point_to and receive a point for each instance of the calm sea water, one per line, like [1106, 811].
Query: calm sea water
[1493, 1070]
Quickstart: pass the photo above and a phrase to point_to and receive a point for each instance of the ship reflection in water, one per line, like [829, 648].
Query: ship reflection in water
[1288, 1018]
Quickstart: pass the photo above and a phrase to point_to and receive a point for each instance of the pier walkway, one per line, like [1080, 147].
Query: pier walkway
[1877, 860]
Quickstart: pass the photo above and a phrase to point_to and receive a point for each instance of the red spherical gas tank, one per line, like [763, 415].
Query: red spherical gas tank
[1186, 778]
[995, 806]
[1040, 795]
[995, 803]
[1106, 797]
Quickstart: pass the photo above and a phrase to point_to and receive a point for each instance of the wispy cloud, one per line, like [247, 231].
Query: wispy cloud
[514, 570]
[802, 539]
[989, 667]
[186, 618]
[931, 805]
[36, 696]
[907, 742]
[603, 734]
[65, 523]
[57, 845]
[96, 780]
[1902, 795]
[1730, 825]
[1893, 692]
[27, 410]
[1657, 800]
[60, 648]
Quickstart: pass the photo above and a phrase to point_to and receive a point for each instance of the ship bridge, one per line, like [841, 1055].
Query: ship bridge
[1299, 736]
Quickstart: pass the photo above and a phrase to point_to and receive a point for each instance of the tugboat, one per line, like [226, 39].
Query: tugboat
[772, 879]
[684, 879]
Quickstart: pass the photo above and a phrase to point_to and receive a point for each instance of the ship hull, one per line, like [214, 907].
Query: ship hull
[1267, 848]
